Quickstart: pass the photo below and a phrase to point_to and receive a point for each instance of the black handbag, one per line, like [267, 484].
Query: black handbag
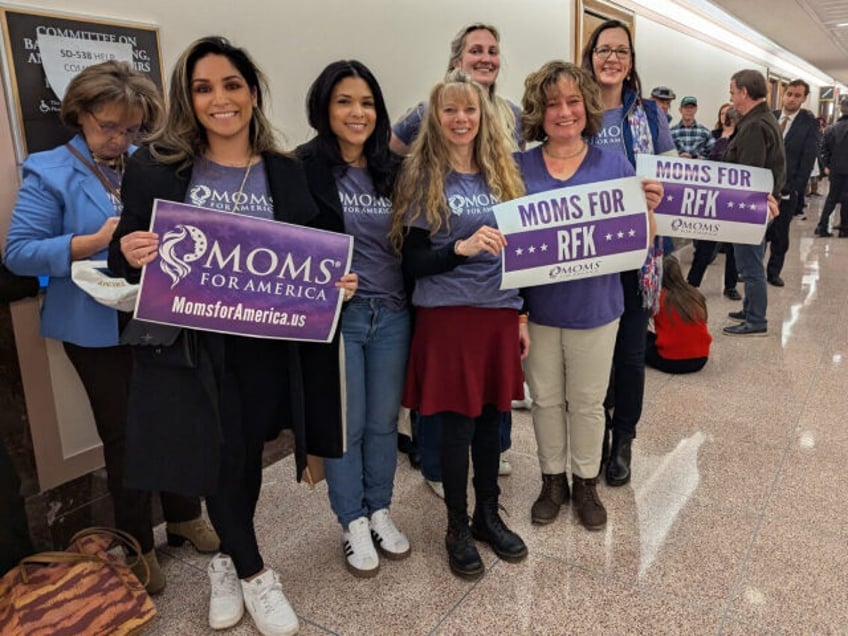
[161, 345]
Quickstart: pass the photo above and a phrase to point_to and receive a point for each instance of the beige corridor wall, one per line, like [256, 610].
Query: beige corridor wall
[405, 43]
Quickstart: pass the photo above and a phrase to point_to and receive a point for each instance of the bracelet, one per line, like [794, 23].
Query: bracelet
[522, 319]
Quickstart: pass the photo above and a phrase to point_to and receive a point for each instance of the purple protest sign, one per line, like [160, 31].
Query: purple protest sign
[243, 275]
[709, 200]
[571, 233]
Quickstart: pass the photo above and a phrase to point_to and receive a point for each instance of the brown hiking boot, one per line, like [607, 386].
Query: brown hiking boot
[587, 504]
[553, 496]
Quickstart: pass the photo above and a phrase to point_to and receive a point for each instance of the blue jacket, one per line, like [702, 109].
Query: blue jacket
[61, 198]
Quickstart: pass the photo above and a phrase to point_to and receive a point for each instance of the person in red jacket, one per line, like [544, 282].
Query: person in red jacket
[680, 342]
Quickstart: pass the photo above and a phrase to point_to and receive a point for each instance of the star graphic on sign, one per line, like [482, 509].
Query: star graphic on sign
[669, 198]
[620, 234]
[730, 204]
[531, 249]
[631, 233]
[519, 252]
[741, 206]
[609, 237]
[752, 207]
[543, 247]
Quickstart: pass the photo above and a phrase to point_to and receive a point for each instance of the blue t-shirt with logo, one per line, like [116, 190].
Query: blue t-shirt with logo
[368, 218]
[587, 302]
[220, 188]
[476, 281]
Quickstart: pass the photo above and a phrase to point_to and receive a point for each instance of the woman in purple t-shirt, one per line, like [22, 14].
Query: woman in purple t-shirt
[573, 324]
[465, 360]
[351, 173]
[475, 50]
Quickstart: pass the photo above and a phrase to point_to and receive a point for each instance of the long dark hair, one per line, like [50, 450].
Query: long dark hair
[686, 300]
[183, 138]
[632, 80]
[381, 163]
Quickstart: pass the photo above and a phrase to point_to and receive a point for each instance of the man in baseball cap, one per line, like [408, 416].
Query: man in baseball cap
[692, 139]
[663, 96]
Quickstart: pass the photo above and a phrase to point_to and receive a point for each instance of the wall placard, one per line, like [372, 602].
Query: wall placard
[39, 45]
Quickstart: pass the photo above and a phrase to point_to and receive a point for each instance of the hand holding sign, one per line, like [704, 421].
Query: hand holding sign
[486, 239]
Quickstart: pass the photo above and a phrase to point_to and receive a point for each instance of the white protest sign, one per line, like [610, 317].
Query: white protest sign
[709, 200]
[570, 233]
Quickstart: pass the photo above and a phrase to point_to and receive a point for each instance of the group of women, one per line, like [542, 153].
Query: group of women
[424, 235]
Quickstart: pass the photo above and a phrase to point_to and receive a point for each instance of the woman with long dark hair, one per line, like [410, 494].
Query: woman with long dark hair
[351, 173]
[631, 125]
[201, 430]
[680, 342]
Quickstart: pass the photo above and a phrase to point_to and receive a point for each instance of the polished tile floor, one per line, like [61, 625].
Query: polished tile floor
[734, 523]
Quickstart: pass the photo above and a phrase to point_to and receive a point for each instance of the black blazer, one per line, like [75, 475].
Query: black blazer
[174, 432]
[801, 145]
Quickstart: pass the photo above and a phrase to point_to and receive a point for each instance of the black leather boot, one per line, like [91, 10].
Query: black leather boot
[463, 558]
[487, 526]
[618, 466]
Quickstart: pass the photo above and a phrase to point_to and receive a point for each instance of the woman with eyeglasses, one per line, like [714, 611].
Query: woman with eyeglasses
[631, 125]
[67, 209]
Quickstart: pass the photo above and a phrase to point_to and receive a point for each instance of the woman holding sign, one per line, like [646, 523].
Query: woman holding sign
[631, 125]
[351, 173]
[201, 429]
[573, 324]
[66, 211]
[465, 360]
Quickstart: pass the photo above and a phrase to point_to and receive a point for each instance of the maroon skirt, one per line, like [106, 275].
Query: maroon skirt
[463, 358]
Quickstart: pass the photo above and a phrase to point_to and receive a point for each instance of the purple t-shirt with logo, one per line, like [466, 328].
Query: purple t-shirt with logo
[611, 135]
[368, 218]
[588, 302]
[220, 188]
[475, 282]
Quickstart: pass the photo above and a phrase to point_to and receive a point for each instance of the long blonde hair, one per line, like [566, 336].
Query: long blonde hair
[420, 188]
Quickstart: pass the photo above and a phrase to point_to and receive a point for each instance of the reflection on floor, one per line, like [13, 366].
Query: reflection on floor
[735, 522]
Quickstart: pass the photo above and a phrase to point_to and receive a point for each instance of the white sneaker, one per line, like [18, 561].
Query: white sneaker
[505, 468]
[390, 541]
[526, 403]
[362, 559]
[226, 603]
[436, 487]
[268, 606]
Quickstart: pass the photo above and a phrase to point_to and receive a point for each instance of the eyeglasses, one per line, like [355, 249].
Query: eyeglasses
[112, 130]
[603, 52]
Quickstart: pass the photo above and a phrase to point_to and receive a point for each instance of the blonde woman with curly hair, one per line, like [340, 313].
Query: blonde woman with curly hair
[465, 360]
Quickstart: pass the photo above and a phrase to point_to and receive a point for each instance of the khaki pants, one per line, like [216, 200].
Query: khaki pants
[568, 371]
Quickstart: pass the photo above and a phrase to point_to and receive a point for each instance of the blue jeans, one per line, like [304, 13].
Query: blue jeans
[427, 430]
[376, 344]
[749, 262]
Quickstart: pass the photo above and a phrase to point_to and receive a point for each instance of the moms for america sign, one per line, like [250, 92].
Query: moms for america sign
[571, 233]
[243, 275]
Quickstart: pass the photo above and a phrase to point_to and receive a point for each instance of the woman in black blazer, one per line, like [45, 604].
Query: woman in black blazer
[351, 173]
[201, 430]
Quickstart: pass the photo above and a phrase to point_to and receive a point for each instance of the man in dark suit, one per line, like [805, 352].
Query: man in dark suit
[801, 141]
[834, 157]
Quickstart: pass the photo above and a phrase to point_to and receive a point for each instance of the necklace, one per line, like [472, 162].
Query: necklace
[231, 164]
[238, 194]
[568, 156]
